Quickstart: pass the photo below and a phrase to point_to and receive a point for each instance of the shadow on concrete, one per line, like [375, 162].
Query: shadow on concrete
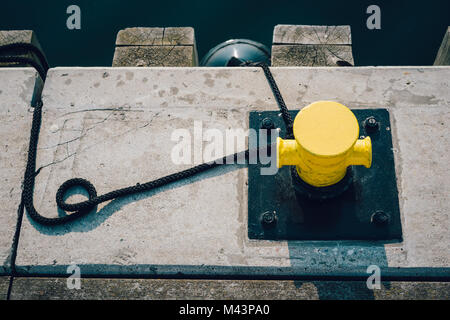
[342, 290]
[322, 257]
[95, 218]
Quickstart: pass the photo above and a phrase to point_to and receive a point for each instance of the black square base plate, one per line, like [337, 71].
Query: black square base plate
[354, 215]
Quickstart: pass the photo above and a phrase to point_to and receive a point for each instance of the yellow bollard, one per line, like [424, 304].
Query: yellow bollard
[326, 143]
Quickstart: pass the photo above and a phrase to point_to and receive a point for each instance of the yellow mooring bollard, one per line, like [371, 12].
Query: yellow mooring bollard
[326, 143]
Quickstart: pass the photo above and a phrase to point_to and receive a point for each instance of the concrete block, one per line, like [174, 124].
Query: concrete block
[310, 55]
[443, 55]
[179, 36]
[173, 47]
[154, 56]
[140, 37]
[301, 34]
[17, 88]
[16, 36]
[300, 45]
[165, 289]
[113, 126]
[4, 285]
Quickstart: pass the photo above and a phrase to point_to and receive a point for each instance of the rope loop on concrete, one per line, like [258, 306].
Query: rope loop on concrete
[71, 183]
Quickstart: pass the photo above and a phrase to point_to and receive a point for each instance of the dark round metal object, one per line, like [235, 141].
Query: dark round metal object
[380, 218]
[371, 124]
[267, 123]
[268, 218]
[242, 49]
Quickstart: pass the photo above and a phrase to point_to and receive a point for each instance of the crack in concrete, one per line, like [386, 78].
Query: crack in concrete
[79, 137]
[103, 109]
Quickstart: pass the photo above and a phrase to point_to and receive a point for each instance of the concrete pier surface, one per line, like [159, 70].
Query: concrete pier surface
[17, 89]
[113, 126]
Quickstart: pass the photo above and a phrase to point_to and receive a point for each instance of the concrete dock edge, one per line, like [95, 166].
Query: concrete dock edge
[156, 289]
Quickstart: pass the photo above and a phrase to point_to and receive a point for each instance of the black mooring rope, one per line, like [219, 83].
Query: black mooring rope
[84, 207]
[276, 92]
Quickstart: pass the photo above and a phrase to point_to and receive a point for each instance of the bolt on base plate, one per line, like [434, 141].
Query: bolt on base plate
[367, 210]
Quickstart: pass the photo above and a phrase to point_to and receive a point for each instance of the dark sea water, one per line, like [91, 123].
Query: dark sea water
[411, 31]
